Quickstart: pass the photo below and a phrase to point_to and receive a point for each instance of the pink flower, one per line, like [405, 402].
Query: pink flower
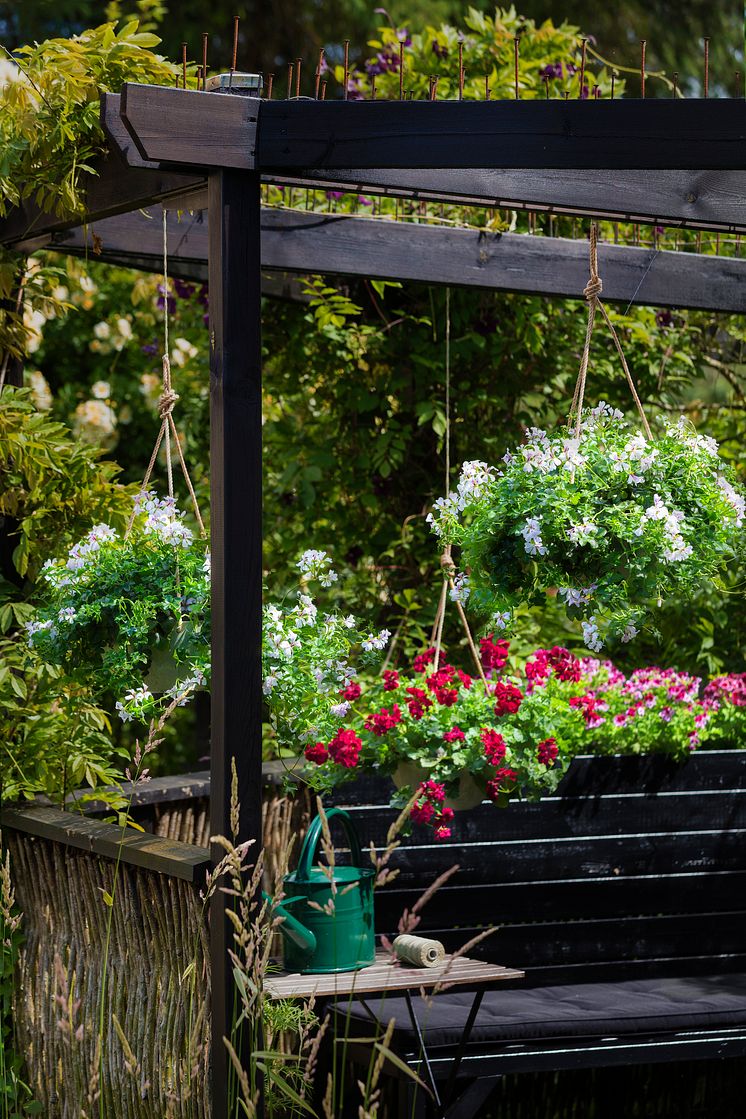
[454, 735]
[442, 832]
[345, 748]
[317, 753]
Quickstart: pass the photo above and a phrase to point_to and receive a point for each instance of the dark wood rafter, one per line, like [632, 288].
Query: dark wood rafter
[690, 199]
[176, 126]
[125, 181]
[303, 243]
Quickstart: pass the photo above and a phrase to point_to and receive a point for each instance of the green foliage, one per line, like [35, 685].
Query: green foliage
[50, 127]
[487, 44]
[307, 657]
[119, 605]
[53, 738]
[53, 486]
[611, 519]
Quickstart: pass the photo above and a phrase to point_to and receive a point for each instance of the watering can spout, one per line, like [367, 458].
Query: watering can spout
[292, 929]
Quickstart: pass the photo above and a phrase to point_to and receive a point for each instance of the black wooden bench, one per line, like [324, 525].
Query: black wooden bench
[624, 900]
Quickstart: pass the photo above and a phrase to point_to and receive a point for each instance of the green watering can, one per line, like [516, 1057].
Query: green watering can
[344, 940]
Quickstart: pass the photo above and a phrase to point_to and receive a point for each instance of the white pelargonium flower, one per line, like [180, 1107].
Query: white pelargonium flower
[376, 642]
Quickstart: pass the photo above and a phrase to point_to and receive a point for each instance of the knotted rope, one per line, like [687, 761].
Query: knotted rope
[592, 292]
[166, 402]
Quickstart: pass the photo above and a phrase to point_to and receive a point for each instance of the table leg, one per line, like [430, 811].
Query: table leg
[466, 1034]
[423, 1051]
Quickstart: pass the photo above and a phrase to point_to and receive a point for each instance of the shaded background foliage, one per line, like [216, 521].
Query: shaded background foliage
[274, 34]
[355, 373]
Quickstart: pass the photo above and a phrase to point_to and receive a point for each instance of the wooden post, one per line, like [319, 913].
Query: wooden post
[236, 515]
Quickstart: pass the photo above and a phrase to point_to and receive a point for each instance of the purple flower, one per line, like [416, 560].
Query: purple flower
[404, 37]
[182, 288]
[666, 714]
[552, 70]
[364, 201]
[664, 319]
[151, 348]
[336, 194]
[438, 51]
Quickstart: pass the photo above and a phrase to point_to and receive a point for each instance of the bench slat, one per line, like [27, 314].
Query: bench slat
[567, 899]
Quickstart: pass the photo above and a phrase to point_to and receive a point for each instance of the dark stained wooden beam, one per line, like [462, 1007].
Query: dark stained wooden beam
[693, 199]
[294, 242]
[125, 181]
[186, 126]
[236, 530]
[151, 852]
[190, 128]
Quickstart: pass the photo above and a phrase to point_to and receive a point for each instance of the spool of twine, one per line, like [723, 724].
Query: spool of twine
[419, 951]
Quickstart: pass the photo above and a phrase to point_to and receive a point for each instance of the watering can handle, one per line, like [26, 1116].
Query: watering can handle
[313, 835]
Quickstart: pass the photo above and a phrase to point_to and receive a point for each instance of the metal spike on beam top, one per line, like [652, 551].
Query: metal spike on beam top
[182, 127]
[302, 243]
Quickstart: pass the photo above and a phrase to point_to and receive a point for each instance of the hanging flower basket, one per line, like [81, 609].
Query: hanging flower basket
[131, 615]
[612, 519]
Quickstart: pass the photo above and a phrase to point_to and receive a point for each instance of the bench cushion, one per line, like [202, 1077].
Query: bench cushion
[636, 1006]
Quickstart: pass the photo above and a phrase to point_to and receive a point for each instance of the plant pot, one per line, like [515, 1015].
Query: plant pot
[164, 673]
[471, 791]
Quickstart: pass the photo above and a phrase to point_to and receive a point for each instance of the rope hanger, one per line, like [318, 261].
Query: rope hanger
[166, 402]
[592, 292]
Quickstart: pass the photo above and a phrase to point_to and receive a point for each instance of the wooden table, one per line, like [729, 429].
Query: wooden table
[387, 975]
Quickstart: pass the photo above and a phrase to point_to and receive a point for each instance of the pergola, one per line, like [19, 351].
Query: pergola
[672, 162]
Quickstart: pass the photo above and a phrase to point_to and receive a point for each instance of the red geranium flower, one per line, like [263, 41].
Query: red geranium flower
[494, 746]
[494, 654]
[317, 753]
[351, 692]
[508, 698]
[454, 735]
[380, 722]
[547, 751]
[390, 680]
[345, 748]
[446, 696]
[502, 779]
[422, 660]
